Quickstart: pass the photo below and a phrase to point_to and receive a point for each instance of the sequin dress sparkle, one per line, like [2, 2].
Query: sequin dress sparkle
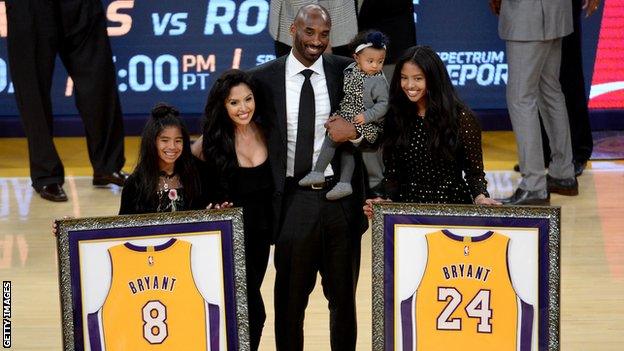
[412, 175]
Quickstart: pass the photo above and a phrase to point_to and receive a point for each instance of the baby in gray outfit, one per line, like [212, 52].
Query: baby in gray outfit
[365, 101]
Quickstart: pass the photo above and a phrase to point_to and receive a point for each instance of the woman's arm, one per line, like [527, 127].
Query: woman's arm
[481, 199]
[472, 163]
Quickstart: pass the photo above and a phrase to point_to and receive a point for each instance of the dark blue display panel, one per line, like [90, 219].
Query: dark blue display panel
[168, 51]
[172, 51]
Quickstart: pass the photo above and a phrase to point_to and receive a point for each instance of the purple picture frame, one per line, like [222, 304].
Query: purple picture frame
[546, 221]
[227, 223]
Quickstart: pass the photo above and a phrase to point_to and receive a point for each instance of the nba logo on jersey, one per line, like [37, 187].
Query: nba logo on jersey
[153, 303]
[465, 299]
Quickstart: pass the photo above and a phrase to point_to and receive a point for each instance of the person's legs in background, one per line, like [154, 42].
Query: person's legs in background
[32, 45]
[572, 82]
[552, 107]
[525, 62]
[573, 86]
[87, 56]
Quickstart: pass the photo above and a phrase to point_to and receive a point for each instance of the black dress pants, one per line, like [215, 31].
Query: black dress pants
[315, 237]
[38, 30]
[573, 86]
[257, 248]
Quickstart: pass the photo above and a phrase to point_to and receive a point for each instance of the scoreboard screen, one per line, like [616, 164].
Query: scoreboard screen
[172, 51]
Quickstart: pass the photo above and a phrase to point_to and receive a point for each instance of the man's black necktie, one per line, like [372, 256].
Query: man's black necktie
[305, 128]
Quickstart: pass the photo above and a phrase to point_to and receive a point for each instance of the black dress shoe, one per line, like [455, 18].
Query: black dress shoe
[579, 167]
[117, 178]
[567, 186]
[53, 192]
[526, 197]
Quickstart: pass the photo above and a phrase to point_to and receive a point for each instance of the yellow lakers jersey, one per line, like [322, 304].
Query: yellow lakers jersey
[465, 300]
[153, 302]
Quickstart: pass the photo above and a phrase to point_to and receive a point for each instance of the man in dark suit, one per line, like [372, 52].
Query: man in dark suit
[313, 234]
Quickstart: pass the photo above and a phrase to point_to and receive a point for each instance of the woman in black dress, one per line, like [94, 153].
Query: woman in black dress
[432, 141]
[235, 150]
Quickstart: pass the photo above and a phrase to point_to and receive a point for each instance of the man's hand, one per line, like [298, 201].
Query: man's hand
[339, 129]
[495, 6]
[590, 6]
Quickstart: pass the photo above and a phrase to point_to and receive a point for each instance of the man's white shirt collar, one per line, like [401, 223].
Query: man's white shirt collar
[294, 67]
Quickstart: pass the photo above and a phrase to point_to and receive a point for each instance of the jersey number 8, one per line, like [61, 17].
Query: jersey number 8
[154, 326]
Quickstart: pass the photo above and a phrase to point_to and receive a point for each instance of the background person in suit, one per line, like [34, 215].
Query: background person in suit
[313, 234]
[573, 86]
[385, 16]
[532, 31]
[38, 30]
[344, 23]
[572, 81]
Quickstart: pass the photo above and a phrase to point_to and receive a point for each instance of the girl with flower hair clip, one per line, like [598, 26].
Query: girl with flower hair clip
[365, 102]
[167, 176]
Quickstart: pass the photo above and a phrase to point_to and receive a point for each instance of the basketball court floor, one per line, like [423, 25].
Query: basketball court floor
[592, 248]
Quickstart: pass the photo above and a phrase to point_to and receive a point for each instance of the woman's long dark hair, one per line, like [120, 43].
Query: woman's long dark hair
[148, 171]
[218, 132]
[443, 106]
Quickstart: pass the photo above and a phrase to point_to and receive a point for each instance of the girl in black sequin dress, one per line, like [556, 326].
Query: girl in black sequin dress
[166, 177]
[235, 150]
[432, 141]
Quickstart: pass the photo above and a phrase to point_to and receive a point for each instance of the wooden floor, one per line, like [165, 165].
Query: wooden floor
[592, 315]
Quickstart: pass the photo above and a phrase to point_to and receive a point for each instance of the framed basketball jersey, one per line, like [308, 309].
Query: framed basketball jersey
[153, 302]
[167, 281]
[457, 277]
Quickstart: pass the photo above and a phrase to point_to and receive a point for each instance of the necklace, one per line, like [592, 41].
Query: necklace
[166, 178]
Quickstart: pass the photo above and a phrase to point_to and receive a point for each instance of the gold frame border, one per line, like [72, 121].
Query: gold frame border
[551, 213]
[234, 215]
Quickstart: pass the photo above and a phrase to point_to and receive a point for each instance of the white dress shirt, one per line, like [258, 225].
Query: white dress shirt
[294, 82]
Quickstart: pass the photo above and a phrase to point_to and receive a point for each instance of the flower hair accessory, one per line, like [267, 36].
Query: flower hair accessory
[375, 40]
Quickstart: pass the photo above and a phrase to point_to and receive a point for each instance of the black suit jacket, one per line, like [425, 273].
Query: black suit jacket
[270, 80]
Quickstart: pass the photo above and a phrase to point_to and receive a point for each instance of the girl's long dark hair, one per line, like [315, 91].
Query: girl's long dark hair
[443, 106]
[218, 132]
[148, 171]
